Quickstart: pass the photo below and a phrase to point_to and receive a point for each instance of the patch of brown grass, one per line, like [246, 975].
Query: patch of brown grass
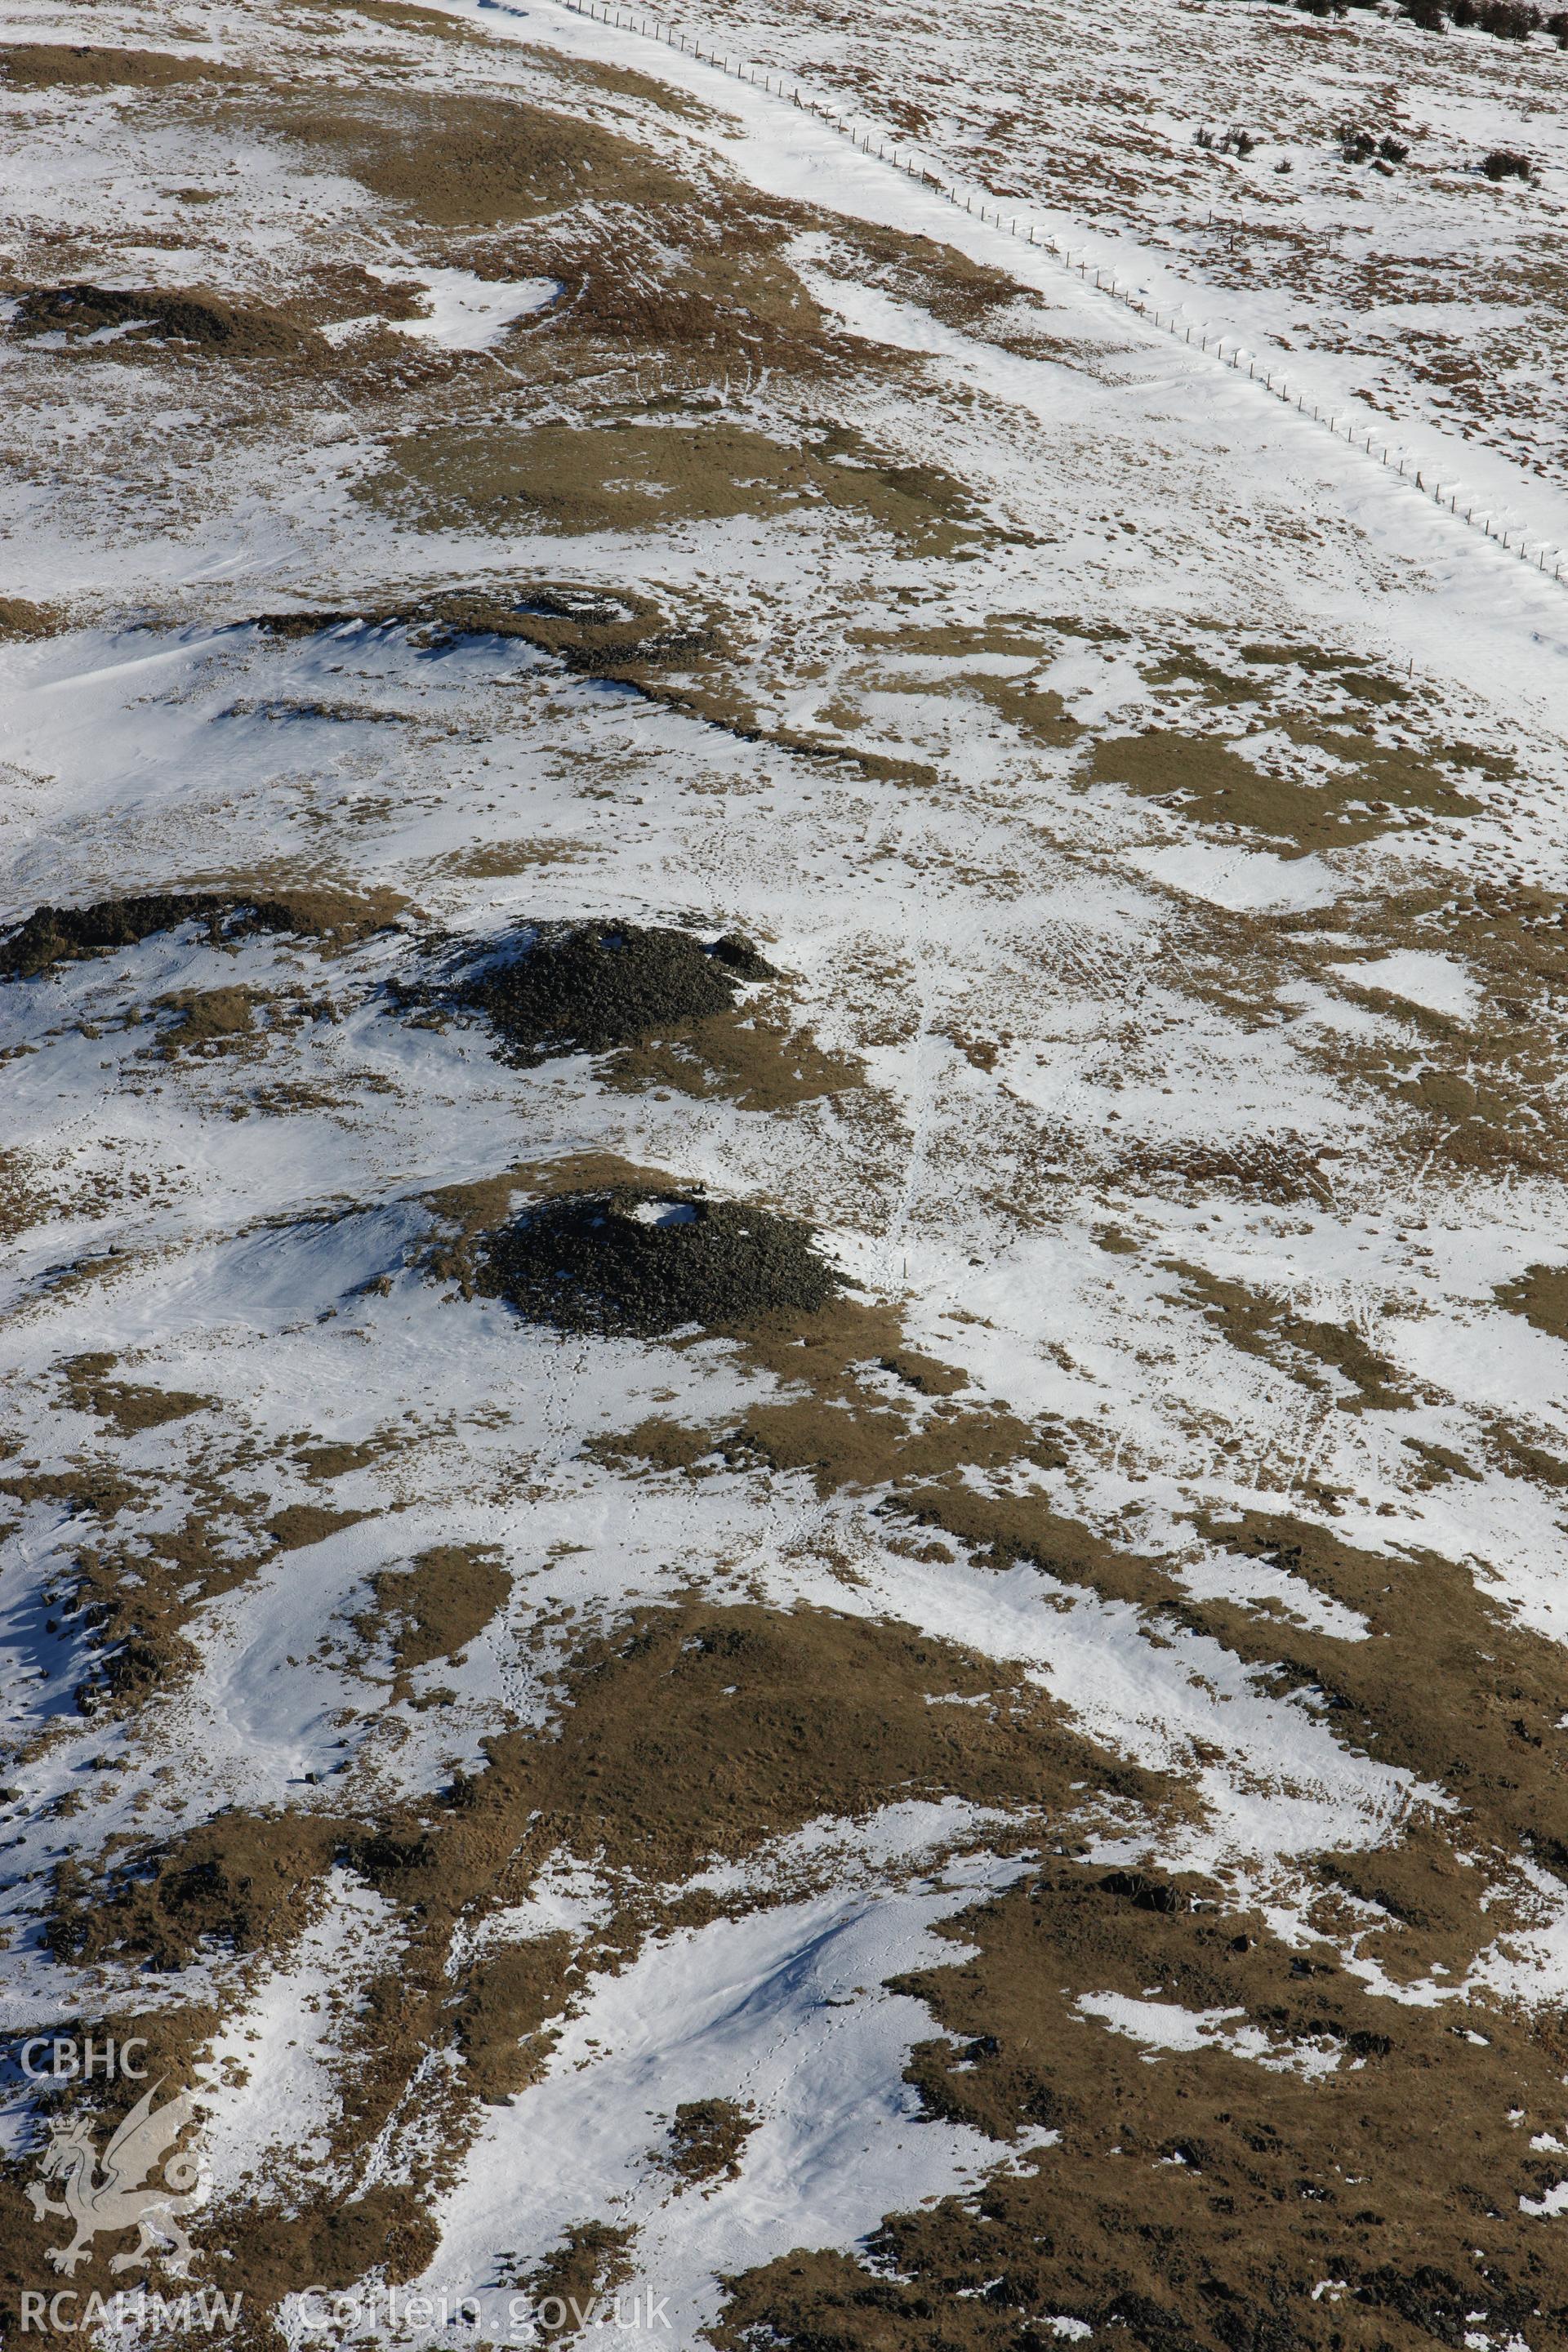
[457, 160]
[761, 1063]
[58, 64]
[633, 477]
[435, 1607]
[1262, 1324]
[1195, 2198]
[707, 2140]
[1541, 1296]
[20, 619]
[130, 1405]
[1206, 778]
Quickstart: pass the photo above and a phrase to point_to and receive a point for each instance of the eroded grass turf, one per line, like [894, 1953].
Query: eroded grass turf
[53, 935]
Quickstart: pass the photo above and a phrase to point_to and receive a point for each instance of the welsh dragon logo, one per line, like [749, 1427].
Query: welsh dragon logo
[118, 2196]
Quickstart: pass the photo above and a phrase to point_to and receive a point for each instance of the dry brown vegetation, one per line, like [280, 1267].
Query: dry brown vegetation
[1193, 2199]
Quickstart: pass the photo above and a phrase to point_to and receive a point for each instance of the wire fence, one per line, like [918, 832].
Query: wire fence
[1539, 554]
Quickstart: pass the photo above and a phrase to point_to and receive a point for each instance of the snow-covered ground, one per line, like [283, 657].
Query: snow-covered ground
[624, 1811]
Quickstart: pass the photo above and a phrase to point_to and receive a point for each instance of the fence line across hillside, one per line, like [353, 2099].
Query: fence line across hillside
[1544, 556]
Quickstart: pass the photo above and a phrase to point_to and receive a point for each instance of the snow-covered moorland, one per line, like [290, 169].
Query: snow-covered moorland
[727, 917]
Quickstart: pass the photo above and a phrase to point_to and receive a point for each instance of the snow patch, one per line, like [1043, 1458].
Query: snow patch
[1421, 976]
[1246, 880]
[469, 313]
[1166, 2026]
[782, 2011]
